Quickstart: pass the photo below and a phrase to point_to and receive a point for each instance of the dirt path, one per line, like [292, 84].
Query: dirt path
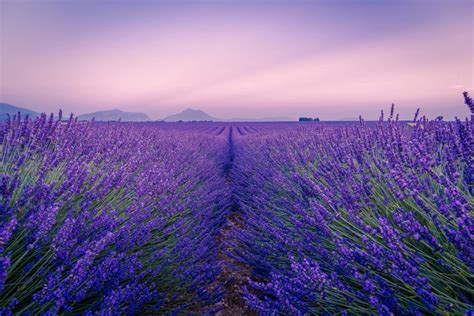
[234, 274]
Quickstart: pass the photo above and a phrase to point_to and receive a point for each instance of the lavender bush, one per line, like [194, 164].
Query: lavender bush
[317, 218]
[358, 219]
[108, 218]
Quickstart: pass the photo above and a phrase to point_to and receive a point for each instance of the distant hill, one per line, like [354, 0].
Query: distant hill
[10, 109]
[190, 115]
[115, 115]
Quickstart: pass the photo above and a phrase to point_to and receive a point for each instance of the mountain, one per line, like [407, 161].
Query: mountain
[191, 115]
[115, 115]
[6, 108]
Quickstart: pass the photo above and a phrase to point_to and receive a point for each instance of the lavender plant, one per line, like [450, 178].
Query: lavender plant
[109, 218]
[127, 218]
[358, 219]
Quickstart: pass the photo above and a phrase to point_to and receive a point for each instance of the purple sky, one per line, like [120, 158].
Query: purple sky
[332, 59]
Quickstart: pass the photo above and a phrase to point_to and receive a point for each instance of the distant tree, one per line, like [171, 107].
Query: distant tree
[317, 119]
[305, 119]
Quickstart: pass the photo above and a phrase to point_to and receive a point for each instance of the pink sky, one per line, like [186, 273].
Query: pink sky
[329, 59]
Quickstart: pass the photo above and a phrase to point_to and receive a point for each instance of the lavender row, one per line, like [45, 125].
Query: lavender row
[108, 218]
[358, 219]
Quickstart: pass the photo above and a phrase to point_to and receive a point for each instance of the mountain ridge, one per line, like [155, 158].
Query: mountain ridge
[10, 109]
[186, 115]
[189, 114]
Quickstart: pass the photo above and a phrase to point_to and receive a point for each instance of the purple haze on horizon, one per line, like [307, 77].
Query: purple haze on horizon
[332, 59]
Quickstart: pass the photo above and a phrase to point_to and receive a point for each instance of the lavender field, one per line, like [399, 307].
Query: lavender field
[237, 218]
